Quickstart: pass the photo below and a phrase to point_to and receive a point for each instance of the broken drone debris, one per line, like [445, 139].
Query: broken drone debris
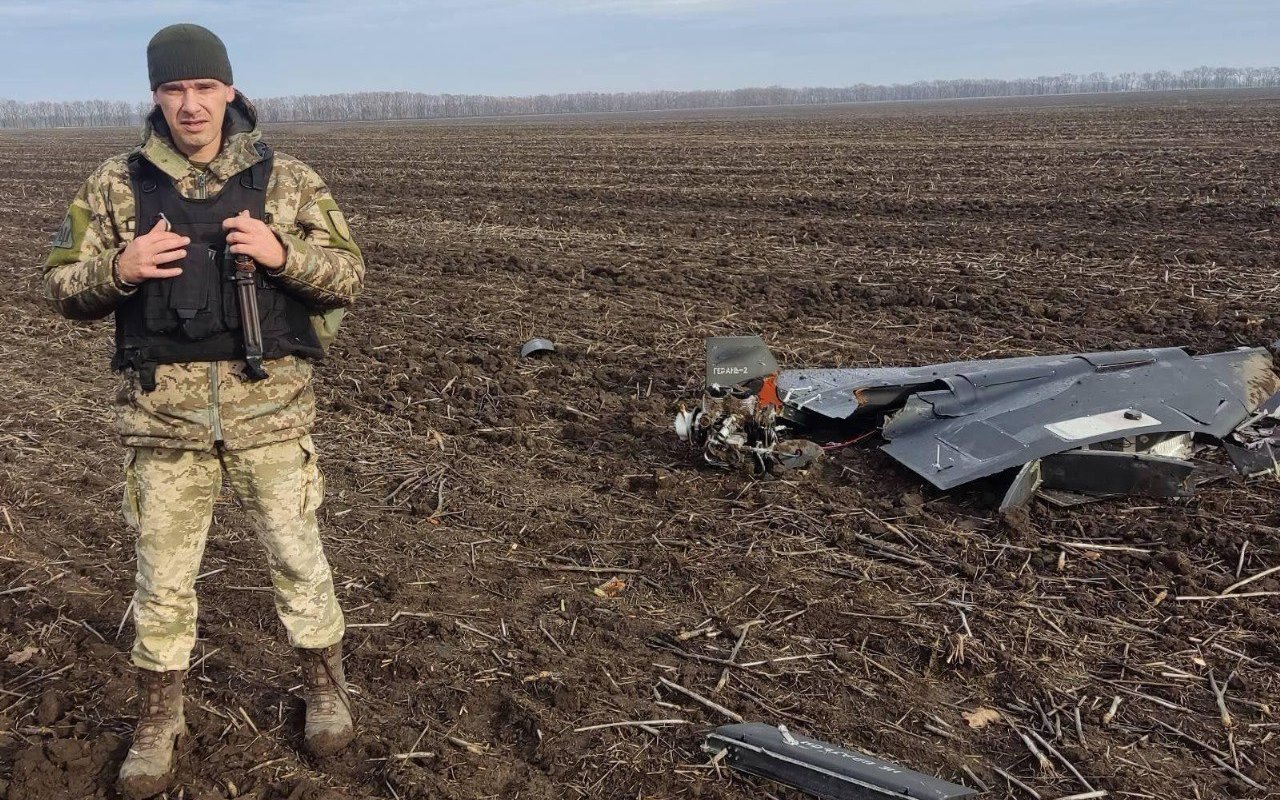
[537, 347]
[821, 769]
[1088, 424]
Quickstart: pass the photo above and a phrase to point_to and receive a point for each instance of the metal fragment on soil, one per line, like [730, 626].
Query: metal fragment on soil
[820, 768]
[536, 347]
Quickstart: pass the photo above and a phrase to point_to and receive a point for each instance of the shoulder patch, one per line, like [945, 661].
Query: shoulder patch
[64, 237]
[335, 224]
[338, 223]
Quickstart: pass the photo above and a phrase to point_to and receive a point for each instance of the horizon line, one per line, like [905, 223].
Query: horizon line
[775, 86]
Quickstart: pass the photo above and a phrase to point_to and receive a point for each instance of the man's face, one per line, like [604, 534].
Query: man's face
[194, 110]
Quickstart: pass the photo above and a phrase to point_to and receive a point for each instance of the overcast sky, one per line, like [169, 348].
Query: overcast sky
[77, 49]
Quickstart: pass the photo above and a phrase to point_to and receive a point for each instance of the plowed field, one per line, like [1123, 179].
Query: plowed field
[475, 500]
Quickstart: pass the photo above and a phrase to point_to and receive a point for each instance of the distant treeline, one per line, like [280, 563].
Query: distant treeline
[416, 105]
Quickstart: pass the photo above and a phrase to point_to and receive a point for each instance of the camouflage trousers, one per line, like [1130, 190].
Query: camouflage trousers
[169, 496]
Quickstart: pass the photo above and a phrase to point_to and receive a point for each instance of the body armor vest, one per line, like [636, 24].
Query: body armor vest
[195, 316]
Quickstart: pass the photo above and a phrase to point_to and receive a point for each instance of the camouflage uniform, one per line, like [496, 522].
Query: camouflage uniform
[206, 419]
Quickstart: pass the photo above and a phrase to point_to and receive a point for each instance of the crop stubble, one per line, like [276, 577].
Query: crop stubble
[475, 500]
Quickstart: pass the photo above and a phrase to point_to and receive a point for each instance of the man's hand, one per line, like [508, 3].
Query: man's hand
[252, 237]
[141, 260]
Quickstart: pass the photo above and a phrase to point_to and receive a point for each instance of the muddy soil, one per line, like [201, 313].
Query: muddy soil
[476, 500]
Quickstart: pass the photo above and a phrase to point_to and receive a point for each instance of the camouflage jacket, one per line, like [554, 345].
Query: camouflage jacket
[195, 405]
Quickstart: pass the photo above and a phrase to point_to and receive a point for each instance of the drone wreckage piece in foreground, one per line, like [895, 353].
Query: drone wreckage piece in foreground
[821, 769]
[1076, 426]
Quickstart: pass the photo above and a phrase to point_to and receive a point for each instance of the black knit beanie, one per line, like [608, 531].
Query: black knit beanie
[185, 52]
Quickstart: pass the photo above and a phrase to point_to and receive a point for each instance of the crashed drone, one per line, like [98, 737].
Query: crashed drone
[1075, 427]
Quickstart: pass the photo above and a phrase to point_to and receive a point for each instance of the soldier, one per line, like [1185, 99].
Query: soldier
[151, 236]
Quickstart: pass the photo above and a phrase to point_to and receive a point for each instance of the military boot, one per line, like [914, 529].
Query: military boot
[328, 727]
[148, 769]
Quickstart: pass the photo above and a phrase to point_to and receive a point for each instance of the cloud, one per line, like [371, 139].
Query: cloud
[70, 11]
[441, 13]
[67, 13]
[832, 8]
[647, 7]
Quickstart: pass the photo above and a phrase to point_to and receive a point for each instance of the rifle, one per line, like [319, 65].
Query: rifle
[250, 323]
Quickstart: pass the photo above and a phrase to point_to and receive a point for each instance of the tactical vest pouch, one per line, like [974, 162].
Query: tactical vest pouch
[185, 303]
[158, 316]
